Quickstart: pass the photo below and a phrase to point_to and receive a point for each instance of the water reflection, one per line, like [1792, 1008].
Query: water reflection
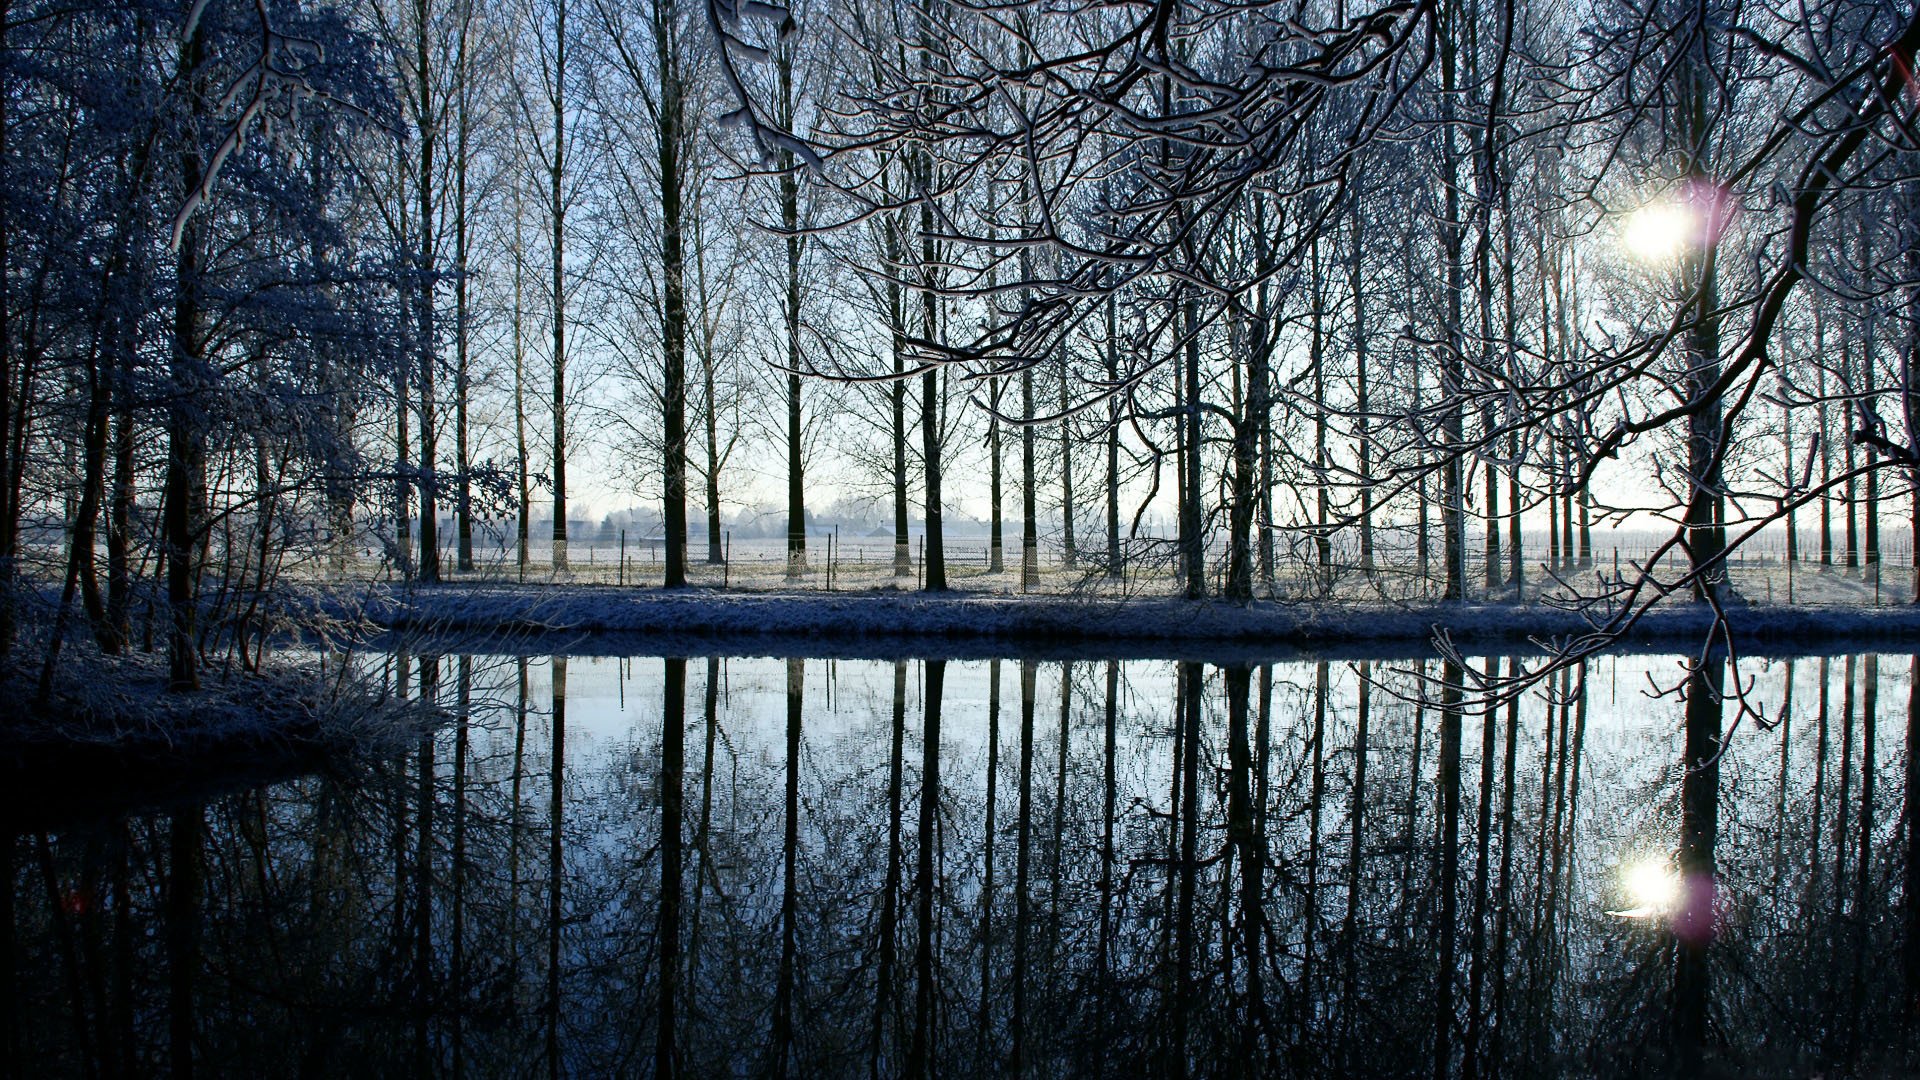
[921, 868]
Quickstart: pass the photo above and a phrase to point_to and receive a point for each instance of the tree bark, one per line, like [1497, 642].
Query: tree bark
[673, 314]
[425, 269]
[182, 487]
[556, 177]
[921, 1050]
[673, 766]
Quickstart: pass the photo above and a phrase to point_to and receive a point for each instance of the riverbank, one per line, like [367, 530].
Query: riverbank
[982, 617]
[110, 736]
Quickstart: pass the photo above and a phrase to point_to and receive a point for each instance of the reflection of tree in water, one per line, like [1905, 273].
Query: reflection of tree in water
[921, 868]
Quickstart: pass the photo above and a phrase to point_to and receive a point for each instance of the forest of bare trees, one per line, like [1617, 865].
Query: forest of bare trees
[1418, 294]
[360, 361]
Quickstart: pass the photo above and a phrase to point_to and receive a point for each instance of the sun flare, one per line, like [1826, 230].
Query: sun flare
[1657, 232]
[1652, 886]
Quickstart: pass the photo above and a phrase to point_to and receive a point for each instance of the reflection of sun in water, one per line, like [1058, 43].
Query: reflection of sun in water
[1652, 886]
[1657, 231]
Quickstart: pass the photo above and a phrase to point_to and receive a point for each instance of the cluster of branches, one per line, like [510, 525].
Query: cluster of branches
[1361, 286]
[1641, 263]
[183, 376]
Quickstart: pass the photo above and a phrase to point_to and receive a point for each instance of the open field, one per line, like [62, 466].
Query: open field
[1760, 574]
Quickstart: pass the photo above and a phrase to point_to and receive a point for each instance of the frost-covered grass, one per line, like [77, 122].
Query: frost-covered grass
[843, 616]
[866, 565]
[111, 728]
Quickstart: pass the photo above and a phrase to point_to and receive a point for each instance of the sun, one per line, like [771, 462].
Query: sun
[1657, 232]
[1652, 887]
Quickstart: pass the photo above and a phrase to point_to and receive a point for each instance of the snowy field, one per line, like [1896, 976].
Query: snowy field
[842, 621]
[1761, 577]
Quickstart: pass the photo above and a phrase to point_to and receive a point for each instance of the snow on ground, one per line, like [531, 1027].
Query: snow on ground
[110, 736]
[855, 594]
[839, 617]
[760, 566]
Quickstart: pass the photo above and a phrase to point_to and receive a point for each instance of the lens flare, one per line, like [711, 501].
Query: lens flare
[1653, 883]
[1652, 888]
[1658, 232]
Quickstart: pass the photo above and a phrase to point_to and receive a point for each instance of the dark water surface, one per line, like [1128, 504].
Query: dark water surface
[766, 867]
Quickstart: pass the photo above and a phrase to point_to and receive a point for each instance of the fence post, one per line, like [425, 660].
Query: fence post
[726, 563]
[623, 556]
[920, 580]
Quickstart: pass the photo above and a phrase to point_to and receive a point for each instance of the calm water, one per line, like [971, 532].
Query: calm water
[740, 866]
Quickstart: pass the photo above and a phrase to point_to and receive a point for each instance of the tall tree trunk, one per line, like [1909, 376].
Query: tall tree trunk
[120, 509]
[1250, 848]
[1516, 553]
[182, 489]
[1489, 190]
[556, 194]
[457, 931]
[1453, 474]
[1069, 556]
[703, 828]
[1449, 914]
[81, 561]
[883, 996]
[1187, 864]
[1693, 923]
[1316, 797]
[1246, 498]
[1422, 521]
[1850, 500]
[1705, 516]
[1362, 389]
[556, 862]
[1504, 890]
[1193, 543]
[1114, 568]
[673, 313]
[715, 554]
[524, 500]
[1356, 861]
[462, 445]
[921, 1049]
[673, 767]
[984, 1021]
[897, 398]
[1863, 913]
[1103, 945]
[930, 417]
[1029, 500]
[996, 490]
[782, 1064]
[425, 982]
[1482, 873]
[1910, 380]
[1910, 811]
[425, 269]
[1317, 363]
[1825, 437]
[1022, 908]
[790, 222]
